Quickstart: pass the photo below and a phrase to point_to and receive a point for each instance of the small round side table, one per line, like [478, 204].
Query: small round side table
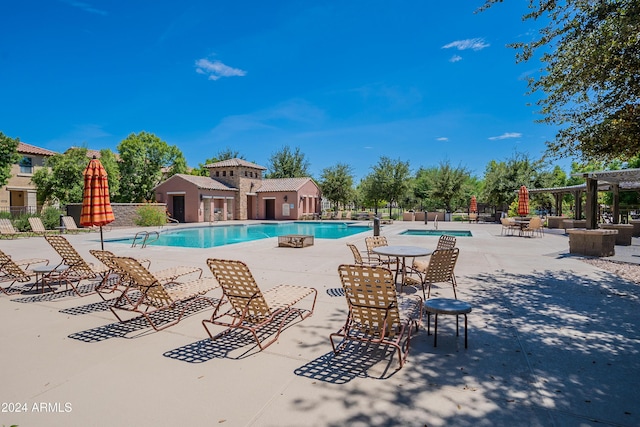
[449, 306]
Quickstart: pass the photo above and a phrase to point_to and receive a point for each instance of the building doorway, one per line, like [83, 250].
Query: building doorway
[178, 208]
[270, 209]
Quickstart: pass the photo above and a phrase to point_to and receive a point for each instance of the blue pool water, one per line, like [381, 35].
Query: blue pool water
[457, 233]
[207, 237]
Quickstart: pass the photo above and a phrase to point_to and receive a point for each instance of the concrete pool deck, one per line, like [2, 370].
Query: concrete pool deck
[552, 341]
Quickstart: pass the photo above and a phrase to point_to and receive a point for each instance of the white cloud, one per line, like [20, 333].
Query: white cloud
[455, 58]
[475, 44]
[442, 138]
[216, 69]
[506, 135]
[86, 7]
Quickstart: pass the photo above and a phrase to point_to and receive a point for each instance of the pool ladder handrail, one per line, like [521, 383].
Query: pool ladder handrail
[144, 235]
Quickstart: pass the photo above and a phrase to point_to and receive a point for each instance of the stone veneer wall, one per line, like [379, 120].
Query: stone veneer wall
[125, 213]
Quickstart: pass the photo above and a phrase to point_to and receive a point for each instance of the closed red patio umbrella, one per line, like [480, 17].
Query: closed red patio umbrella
[523, 201]
[96, 203]
[473, 208]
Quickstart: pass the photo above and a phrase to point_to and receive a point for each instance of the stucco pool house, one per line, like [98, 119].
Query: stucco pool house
[236, 190]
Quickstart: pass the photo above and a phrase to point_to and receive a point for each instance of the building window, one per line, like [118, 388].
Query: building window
[26, 165]
[224, 173]
[230, 173]
[245, 173]
[217, 173]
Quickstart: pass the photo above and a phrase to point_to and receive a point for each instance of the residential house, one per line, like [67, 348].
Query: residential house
[19, 195]
[236, 190]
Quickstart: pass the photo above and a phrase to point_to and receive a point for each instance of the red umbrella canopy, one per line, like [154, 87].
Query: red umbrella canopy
[523, 201]
[96, 204]
[474, 204]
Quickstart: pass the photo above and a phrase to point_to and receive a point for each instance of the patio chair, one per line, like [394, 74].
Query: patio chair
[156, 295]
[37, 227]
[358, 259]
[16, 270]
[252, 309]
[373, 242]
[77, 268]
[377, 314]
[508, 226]
[535, 227]
[439, 270]
[7, 230]
[121, 279]
[444, 242]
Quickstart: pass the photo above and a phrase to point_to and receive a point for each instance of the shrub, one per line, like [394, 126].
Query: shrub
[22, 223]
[50, 218]
[149, 216]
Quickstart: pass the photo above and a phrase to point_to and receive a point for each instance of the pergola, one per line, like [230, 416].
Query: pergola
[614, 181]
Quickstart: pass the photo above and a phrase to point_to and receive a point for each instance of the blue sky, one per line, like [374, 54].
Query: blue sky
[345, 81]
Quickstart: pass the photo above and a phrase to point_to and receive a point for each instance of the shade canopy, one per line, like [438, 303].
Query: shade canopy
[96, 204]
[523, 201]
[473, 206]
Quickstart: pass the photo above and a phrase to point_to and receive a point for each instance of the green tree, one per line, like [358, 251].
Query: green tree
[389, 181]
[591, 56]
[110, 163]
[8, 157]
[337, 184]
[288, 164]
[63, 179]
[142, 159]
[447, 184]
[503, 179]
[226, 154]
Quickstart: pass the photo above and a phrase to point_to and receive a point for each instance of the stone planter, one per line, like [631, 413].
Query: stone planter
[574, 223]
[625, 232]
[555, 221]
[636, 227]
[592, 242]
[407, 216]
[418, 216]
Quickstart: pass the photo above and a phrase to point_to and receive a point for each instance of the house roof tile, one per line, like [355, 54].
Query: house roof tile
[32, 149]
[235, 162]
[282, 184]
[205, 182]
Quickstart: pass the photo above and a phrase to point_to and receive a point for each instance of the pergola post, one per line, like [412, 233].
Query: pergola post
[577, 197]
[591, 213]
[558, 197]
[615, 188]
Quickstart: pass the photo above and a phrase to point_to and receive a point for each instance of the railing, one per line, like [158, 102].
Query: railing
[16, 211]
[144, 237]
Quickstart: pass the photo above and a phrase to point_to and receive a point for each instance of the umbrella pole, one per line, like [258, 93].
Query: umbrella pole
[101, 239]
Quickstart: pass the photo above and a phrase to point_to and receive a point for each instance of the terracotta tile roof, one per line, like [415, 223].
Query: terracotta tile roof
[205, 182]
[234, 162]
[282, 184]
[32, 149]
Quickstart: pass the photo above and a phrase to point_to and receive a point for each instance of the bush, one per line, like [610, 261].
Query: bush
[148, 216]
[22, 223]
[51, 218]
[5, 215]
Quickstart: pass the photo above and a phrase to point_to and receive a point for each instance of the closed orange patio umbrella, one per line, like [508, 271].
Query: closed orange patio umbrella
[473, 205]
[523, 201]
[96, 203]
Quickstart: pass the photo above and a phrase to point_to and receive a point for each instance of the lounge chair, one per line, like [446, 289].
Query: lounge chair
[77, 268]
[508, 226]
[7, 230]
[439, 270]
[37, 227]
[121, 279]
[376, 314]
[156, 295]
[71, 227]
[16, 270]
[251, 309]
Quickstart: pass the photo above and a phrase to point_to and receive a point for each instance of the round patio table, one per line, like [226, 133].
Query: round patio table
[42, 272]
[450, 306]
[401, 253]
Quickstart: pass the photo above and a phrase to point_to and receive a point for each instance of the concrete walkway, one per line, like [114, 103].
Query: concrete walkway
[553, 341]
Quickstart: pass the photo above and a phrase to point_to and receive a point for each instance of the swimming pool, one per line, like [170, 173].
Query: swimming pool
[457, 233]
[207, 237]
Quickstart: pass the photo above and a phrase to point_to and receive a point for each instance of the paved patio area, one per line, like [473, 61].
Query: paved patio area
[553, 341]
